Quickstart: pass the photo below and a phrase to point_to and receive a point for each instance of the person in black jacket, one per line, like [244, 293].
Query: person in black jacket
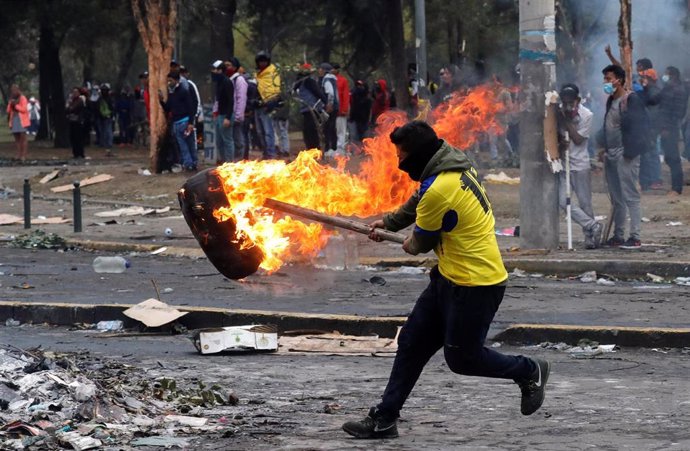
[225, 103]
[360, 110]
[312, 103]
[672, 101]
[181, 105]
[625, 137]
[75, 109]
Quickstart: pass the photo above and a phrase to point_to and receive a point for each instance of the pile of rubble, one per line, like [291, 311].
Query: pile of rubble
[55, 401]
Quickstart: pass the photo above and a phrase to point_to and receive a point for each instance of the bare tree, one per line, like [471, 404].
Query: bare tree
[625, 40]
[157, 24]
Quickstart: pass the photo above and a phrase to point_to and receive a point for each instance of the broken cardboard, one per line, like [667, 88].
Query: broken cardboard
[237, 338]
[86, 182]
[153, 313]
[131, 211]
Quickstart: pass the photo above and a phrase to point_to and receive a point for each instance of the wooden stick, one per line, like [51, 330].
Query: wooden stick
[336, 221]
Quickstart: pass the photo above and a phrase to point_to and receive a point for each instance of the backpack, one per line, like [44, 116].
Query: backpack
[104, 109]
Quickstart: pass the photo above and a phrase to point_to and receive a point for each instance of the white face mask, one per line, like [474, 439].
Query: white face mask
[665, 78]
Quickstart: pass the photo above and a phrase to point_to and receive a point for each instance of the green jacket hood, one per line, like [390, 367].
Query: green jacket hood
[447, 158]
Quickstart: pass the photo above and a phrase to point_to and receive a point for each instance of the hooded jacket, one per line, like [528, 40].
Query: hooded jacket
[381, 99]
[446, 159]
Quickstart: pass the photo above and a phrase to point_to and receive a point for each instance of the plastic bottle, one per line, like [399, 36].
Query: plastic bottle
[112, 265]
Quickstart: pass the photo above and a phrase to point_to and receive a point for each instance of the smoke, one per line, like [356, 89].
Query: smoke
[659, 32]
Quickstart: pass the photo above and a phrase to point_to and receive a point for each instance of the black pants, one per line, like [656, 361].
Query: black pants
[669, 144]
[309, 132]
[456, 319]
[330, 133]
[76, 137]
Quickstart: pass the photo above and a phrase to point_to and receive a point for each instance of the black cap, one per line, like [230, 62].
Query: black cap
[262, 56]
[569, 91]
[144, 74]
[336, 66]
[235, 62]
[174, 63]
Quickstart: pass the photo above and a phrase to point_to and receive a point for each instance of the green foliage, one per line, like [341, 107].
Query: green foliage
[38, 239]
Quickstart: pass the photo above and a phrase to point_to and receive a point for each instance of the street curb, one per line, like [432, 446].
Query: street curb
[67, 314]
[615, 267]
[625, 269]
[645, 337]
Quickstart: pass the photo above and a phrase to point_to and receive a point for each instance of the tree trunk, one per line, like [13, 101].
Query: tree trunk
[89, 63]
[50, 85]
[126, 59]
[625, 40]
[327, 37]
[222, 37]
[397, 54]
[156, 21]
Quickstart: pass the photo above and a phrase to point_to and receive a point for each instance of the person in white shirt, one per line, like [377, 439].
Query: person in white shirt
[576, 120]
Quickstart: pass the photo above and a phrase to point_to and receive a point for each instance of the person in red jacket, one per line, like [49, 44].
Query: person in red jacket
[19, 122]
[343, 87]
[382, 100]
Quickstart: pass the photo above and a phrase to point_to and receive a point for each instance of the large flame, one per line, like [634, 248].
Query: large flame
[378, 186]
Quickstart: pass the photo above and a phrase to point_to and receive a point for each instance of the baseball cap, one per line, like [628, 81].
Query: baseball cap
[216, 64]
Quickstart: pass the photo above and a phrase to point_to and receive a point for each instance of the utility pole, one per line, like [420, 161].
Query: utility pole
[420, 41]
[539, 219]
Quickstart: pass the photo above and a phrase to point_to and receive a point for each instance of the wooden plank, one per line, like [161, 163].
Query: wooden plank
[100, 178]
[51, 176]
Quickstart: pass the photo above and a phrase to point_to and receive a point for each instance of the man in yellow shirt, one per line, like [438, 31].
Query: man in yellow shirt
[452, 216]
[268, 83]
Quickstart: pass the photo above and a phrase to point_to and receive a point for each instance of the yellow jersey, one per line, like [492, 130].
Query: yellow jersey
[455, 206]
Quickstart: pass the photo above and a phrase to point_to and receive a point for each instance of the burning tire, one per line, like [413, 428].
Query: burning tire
[199, 197]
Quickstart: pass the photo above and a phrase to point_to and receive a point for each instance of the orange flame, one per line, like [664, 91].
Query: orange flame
[377, 187]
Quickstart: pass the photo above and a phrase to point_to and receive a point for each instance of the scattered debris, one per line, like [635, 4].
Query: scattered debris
[51, 176]
[11, 322]
[110, 325]
[160, 250]
[142, 171]
[585, 348]
[237, 338]
[644, 219]
[131, 211]
[502, 178]
[519, 273]
[605, 282]
[6, 192]
[86, 182]
[375, 280]
[654, 278]
[55, 401]
[508, 231]
[682, 281]
[673, 224]
[337, 344]
[38, 239]
[153, 313]
[588, 277]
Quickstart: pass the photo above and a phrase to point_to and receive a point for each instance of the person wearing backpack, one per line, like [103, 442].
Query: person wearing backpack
[625, 137]
[329, 85]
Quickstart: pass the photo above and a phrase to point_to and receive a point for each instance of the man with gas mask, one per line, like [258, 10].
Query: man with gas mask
[574, 126]
[453, 216]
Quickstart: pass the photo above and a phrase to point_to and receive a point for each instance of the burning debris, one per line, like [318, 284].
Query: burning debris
[226, 206]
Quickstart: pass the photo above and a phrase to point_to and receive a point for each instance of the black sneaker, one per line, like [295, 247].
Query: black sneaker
[372, 426]
[631, 243]
[614, 242]
[533, 388]
[595, 234]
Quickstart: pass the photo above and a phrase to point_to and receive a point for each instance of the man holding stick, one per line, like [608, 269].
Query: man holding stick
[452, 216]
[576, 121]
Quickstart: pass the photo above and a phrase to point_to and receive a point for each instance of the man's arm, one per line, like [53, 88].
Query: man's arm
[612, 58]
[421, 243]
[403, 216]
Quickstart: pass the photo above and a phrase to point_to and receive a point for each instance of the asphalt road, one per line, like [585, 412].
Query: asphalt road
[630, 399]
[51, 276]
